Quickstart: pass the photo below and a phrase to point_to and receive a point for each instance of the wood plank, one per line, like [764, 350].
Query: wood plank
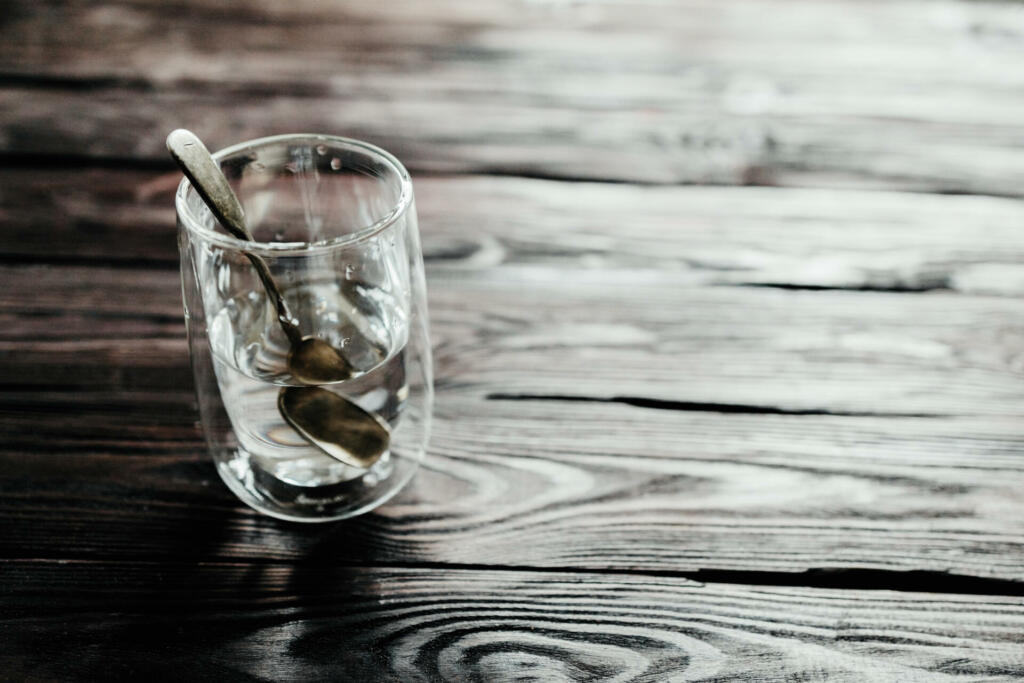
[88, 214]
[597, 334]
[910, 94]
[634, 389]
[730, 472]
[80, 621]
[588, 486]
[809, 238]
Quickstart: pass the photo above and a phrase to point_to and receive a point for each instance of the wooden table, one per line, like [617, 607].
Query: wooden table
[727, 308]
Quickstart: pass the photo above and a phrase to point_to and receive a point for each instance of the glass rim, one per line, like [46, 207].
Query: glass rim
[195, 226]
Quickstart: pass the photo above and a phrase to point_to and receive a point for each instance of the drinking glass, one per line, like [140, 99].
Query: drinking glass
[334, 220]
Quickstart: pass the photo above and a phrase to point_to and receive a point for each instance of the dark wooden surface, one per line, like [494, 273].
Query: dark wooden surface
[750, 411]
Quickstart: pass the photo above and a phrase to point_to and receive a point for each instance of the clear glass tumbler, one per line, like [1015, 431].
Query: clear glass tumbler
[334, 220]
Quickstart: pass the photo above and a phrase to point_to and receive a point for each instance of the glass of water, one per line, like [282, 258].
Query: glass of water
[335, 222]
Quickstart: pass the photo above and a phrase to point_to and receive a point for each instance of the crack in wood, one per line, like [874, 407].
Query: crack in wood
[76, 83]
[701, 406]
[87, 261]
[838, 578]
[938, 285]
[78, 161]
[917, 580]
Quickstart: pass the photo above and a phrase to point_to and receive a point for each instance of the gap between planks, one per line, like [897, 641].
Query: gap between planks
[29, 161]
[702, 407]
[832, 578]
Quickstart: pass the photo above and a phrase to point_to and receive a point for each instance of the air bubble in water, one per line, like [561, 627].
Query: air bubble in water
[336, 164]
[321, 149]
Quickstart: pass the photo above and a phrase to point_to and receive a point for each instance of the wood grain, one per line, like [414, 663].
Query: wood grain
[717, 236]
[566, 461]
[620, 487]
[316, 621]
[914, 94]
[607, 333]
[83, 215]
[546, 297]
[814, 387]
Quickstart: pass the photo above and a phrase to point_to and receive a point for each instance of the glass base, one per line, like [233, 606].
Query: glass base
[270, 495]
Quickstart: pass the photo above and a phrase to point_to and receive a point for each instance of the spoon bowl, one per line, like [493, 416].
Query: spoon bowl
[313, 361]
[335, 425]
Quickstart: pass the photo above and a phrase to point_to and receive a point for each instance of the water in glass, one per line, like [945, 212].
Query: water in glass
[367, 324]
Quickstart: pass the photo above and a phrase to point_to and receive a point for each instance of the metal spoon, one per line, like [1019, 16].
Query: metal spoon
[310, 360]
[338, 427]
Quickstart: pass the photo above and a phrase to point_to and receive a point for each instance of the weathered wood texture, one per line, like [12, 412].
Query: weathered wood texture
[83, 621]
[734, 427]
[915, 94]
[797, 237]
[814, 387]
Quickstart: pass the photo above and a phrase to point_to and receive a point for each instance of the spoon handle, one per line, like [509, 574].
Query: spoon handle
[209, 182]
[284, 316]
